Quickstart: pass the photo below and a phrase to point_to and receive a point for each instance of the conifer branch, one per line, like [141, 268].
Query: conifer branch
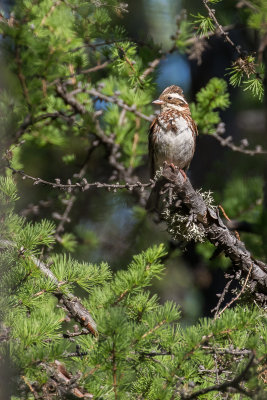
[71, 302]
[154, 328]
[50, 11]
[63, 383]
[32, 390]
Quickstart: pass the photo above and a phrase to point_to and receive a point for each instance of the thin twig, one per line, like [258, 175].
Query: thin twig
[237, 296]
[114, 370]
[222, 296]
[83, 185]
[223, 387]
[22, 78]
[154, 329]
[228, 219]
[115, 100]
[228, 142]
[33, 391]
[220, 28]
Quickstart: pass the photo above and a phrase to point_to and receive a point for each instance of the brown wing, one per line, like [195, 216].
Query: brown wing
[151, 152]
[195, 132]
[194, 127]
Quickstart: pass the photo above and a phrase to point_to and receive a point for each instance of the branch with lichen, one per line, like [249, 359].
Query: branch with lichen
[204, 223]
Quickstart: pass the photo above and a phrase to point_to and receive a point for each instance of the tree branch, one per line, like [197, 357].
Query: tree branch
[208, 219]
[71, 303]
[223, 387]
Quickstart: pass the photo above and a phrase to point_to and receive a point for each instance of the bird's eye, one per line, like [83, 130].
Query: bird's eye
[169, 98]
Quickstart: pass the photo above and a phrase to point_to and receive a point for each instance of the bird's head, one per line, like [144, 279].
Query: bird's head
[172, 98]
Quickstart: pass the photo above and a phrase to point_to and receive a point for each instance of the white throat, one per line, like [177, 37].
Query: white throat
[168, 106]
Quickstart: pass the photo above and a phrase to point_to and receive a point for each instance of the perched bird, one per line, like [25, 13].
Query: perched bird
[172, 134]
[172, 138]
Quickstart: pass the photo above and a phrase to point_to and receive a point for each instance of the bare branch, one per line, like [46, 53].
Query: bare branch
[29, 121]
[228, 142]
[236, 297]
[83, 185]
[222, 296]
[115, 100]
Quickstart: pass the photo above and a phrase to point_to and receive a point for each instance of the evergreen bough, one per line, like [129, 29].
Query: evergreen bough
[139, 349]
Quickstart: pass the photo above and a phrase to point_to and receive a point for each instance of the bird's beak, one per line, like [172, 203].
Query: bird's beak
[159, 102]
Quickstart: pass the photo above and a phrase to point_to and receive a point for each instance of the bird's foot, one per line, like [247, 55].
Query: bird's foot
[173, 167]
[183, 173]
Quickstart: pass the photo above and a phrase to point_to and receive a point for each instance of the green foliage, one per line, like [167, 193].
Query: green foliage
[243, 197]
[210, 98]
[257, 16]
[246, 68]
[51, 45]
[72, 272]
[141, 350]
[36, 235]
[255, 86]
[205, 24]
[8, 191]
[69, 242]
[183, 33]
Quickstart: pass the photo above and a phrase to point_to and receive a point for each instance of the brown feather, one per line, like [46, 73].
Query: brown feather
[151, 147]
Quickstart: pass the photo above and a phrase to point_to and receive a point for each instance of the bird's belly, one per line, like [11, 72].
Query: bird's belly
[174, 147]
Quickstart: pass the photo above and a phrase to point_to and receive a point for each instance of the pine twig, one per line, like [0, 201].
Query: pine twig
[228, 219]
[114, 371]
[154, 329]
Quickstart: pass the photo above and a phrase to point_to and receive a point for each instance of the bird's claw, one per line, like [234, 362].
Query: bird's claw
[184, 174]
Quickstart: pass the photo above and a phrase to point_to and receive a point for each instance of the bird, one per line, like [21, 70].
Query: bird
[172, 138]
[172, 134]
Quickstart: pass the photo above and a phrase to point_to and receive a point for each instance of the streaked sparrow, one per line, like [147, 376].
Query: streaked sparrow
[172, 134]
